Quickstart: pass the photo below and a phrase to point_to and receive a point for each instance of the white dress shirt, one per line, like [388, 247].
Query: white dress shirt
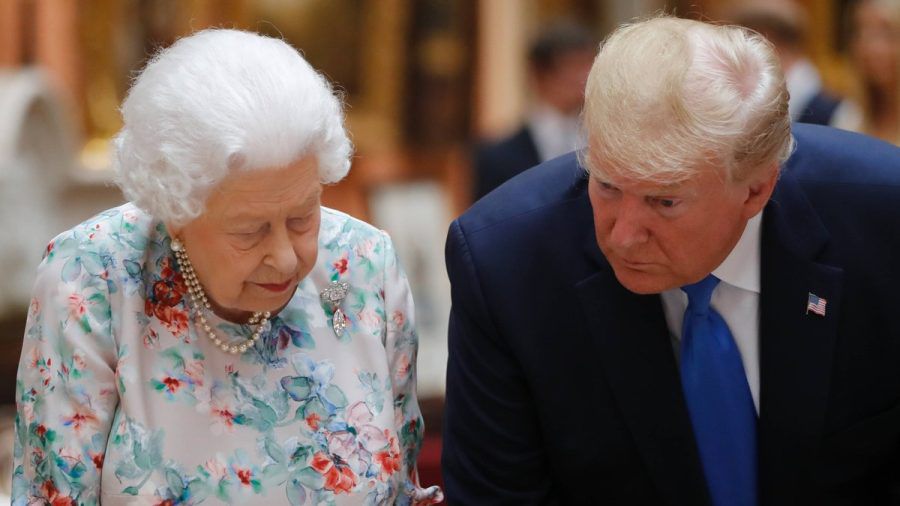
[553, 132]
[736, 298]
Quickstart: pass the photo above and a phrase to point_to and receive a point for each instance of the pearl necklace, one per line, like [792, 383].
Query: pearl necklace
[201, 303]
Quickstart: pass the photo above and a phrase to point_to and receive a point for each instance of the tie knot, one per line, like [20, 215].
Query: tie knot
[700, 293]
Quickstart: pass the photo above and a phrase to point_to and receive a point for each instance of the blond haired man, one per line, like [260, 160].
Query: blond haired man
[699, 308]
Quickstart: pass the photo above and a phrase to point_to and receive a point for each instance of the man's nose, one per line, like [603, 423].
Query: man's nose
[629, 225]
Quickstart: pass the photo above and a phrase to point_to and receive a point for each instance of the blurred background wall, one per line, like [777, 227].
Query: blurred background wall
[424, 80]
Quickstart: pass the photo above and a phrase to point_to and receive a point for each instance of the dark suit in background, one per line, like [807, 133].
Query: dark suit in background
[497, 162]
[559, 59]
[563, 387]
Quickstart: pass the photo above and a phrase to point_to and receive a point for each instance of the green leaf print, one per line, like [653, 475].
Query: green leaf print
[92, 263]
[336, 396]
[85, 324]
[301, 454]
[274, 450]
[314, 406]
[176, 484]
[296, 494]
[149, 456]
[130, 490]
[132, 268]
[309, 477]
[99, 308]
[298, 387]
[71, 269]
[267, 415]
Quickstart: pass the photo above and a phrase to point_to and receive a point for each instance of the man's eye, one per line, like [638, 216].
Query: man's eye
[607, 188]
[667, 203]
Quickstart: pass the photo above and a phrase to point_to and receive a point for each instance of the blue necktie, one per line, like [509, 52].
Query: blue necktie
[718, 400]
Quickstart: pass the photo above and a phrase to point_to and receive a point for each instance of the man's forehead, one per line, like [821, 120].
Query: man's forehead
[639, 184]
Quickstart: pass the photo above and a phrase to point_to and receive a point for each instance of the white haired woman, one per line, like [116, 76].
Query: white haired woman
[222, 338]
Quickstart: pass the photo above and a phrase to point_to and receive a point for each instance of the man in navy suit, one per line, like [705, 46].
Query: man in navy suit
[558, 62]
[580, 338]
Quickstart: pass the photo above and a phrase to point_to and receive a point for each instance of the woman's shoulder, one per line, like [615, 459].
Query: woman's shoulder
[340, 230]
[118, 233]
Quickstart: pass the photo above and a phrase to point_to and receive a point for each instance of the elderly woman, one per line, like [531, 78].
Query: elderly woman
[223, 337]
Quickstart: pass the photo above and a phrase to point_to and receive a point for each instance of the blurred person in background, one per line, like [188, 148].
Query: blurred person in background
[222, 337]
[875, 51]
[559, 61]
[784, 22]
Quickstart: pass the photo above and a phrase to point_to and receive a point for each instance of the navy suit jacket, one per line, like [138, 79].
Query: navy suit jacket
[563, 388]
[495, 163]
[820, 109]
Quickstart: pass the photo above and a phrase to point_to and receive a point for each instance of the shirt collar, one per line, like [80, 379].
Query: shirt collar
[741, 267]
[553, 132]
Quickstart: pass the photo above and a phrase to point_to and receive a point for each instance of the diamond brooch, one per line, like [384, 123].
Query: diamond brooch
[333, 295]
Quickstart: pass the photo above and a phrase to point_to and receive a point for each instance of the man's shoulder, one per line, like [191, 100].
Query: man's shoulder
[528, 196]
[827, 156]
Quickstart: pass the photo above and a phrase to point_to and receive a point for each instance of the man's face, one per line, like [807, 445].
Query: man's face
[562, 86]
[659, 237]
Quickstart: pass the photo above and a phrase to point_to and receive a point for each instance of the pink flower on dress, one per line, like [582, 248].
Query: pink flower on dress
[372, 438]
[223, 420]
[399, 318]
[194, 370]
[365, 249]
[343, 444]
[403, 367]
[370, 319]
[359, 414]
[78, 361]
[151, 340]
[77, 306]
[341, 264]
[34, 308]
[216, 468]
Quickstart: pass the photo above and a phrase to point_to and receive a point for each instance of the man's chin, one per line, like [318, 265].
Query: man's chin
[643, 283]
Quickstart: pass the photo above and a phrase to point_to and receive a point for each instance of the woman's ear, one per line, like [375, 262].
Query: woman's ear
[172, 230]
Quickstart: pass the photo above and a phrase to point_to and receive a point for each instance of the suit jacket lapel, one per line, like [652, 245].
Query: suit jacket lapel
[631, 340]
[796, 346]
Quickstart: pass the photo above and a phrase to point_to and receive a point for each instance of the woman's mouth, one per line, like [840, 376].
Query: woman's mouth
[276, 287]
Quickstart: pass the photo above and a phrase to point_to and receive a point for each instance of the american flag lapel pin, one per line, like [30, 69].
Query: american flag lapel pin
[816, 304]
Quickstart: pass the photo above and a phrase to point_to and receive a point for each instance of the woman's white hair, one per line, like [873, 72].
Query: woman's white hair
[667, 97]
[221, 101]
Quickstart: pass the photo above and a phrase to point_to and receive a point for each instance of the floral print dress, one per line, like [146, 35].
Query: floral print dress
[121, 400]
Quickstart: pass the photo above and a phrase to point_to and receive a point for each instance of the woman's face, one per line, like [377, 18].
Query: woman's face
[876, 44]
[257, 238]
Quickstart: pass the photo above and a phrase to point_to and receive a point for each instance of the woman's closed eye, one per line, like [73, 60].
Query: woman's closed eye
[249, 233]
[299, 224]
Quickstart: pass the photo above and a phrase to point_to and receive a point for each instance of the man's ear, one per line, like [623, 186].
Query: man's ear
[759, 190]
